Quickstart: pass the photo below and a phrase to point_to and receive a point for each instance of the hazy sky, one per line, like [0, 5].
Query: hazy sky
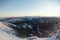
[29, 8]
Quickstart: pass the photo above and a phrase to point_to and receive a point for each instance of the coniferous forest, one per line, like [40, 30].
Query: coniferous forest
[31, 26]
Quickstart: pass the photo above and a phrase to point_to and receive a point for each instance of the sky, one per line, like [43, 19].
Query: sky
[29, 8]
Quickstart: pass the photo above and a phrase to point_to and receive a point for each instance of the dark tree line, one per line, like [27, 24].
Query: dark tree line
[32, 26]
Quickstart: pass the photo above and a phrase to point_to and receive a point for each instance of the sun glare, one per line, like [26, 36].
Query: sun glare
[50, 9]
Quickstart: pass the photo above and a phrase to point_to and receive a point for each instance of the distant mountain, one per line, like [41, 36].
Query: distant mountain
[31, 26]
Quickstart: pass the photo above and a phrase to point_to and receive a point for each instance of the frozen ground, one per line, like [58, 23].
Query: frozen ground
[6, 36]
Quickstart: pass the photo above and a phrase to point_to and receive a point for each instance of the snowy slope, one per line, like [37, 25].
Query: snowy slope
[28, 26]
[4, 35]
[18, 27]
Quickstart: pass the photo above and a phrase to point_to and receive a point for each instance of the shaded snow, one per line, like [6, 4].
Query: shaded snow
[6, 36]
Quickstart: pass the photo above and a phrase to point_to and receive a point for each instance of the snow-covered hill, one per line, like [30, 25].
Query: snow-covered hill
[7, 34]
[31, 26]
[25, 27]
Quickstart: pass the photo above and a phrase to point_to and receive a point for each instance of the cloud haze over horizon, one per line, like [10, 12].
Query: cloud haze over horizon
[10, 8]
